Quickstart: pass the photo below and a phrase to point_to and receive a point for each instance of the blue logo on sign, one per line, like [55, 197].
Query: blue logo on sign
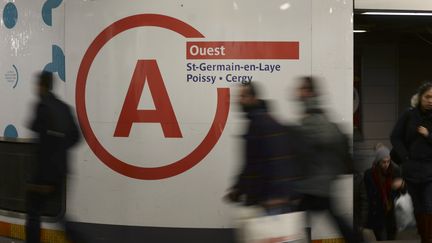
[58, 63]
[12, 76]
[10, 131]
[10, 15]
[47, 8]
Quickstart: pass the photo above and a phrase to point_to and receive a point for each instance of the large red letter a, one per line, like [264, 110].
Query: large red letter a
[163, 113]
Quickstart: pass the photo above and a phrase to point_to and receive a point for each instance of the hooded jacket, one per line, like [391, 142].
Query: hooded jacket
[325, 141]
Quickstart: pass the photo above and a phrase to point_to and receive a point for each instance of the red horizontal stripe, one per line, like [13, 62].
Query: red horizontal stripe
[242, 50]
[5, 229]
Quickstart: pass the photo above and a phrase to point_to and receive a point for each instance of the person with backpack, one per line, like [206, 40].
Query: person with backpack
[57, 133]
[393, 154]
[330, 156]
[271, 165]
[412, 142]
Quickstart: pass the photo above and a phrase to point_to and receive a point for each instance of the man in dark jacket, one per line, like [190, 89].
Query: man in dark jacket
[271, 159]
[57, 132]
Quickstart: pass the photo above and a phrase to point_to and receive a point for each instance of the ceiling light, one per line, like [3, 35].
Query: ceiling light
[285, 6]
[399, 13]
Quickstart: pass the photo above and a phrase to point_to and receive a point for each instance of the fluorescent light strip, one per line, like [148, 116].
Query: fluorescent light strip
[399, 13]
[360, 31]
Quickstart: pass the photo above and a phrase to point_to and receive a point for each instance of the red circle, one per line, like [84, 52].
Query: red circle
[107, 158]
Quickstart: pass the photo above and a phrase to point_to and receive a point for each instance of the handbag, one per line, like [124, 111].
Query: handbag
[404, 212]
[282, 228]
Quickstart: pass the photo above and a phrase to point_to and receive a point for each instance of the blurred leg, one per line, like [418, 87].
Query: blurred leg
[34, 205]
[71, 232]
[390, 226]
[345, 228]
[380, 234]
[315, 203]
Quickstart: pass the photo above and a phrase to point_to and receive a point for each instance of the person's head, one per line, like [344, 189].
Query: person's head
[308, 94]
[382, 157]
[44, 83]
[307, 88]
[425, 96]
[248, 95]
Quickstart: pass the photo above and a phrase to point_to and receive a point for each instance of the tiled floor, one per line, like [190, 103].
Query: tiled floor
[402, 238]
[5, 240]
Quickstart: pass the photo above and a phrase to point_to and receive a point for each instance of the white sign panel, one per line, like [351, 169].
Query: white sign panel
[31, 40]
[154, 85]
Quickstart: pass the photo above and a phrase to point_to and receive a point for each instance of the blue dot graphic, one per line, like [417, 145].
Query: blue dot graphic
[10, 15]
[11, 132]
[58, 63]
[47, 10]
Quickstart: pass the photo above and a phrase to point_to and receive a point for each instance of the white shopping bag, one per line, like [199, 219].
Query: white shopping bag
[404, 212]
[281, 228]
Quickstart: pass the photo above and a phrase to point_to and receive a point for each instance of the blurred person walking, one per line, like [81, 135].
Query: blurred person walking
[330, 156]
[271, 164]
[57, 133]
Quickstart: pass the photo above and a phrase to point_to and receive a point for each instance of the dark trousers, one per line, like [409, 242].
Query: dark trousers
[34, 205]
[384, 234]
[388, 231]
[36, 202]
[421, 195]
[311, 203]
